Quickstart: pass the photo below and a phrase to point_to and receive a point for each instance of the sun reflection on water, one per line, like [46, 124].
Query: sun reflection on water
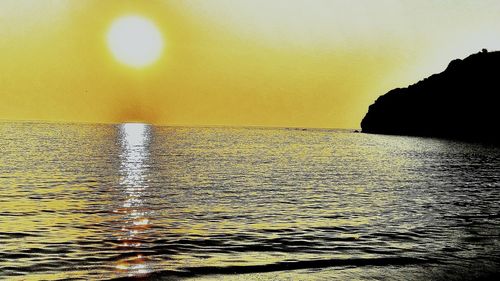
[101, 202]
[134, 157]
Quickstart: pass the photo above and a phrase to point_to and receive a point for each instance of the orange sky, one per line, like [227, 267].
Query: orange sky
[301, 63]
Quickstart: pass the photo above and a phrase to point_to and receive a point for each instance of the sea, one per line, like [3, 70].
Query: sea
[142, 202]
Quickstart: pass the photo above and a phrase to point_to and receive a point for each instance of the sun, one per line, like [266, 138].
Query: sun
[135, 41]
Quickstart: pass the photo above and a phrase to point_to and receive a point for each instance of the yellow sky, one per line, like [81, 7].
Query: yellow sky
[301, 63]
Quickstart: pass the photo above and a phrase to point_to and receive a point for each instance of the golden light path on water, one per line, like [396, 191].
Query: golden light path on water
[134, 157]
[97, 202]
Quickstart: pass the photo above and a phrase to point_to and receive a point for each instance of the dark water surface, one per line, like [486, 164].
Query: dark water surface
[113, 201]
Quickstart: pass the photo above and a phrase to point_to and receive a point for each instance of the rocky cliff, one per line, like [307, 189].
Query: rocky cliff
[461, 102]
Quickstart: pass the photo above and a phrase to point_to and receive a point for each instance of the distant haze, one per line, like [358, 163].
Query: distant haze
[313, 63]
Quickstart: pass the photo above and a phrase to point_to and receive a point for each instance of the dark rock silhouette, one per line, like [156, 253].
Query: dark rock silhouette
[462, 102]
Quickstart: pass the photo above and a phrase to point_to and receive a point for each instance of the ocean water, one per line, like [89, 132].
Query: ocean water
[99, 202]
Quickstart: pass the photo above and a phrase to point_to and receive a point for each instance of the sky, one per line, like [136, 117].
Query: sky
[280, 63]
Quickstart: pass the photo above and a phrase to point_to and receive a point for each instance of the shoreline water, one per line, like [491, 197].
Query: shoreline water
[118, 201]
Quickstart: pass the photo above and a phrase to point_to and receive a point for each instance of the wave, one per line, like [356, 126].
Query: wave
[282, 266]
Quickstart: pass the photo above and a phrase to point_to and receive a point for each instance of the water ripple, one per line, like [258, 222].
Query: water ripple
[124, 201]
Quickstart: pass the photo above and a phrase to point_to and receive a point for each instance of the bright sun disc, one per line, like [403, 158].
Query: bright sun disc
[135, 41]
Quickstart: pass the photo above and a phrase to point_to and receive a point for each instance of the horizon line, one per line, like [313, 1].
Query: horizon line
[72, 122]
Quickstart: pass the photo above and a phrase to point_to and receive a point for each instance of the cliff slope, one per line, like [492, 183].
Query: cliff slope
[461, 102]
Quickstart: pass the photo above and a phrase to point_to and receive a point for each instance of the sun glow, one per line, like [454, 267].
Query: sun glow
[285, 63]
[135, 41]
